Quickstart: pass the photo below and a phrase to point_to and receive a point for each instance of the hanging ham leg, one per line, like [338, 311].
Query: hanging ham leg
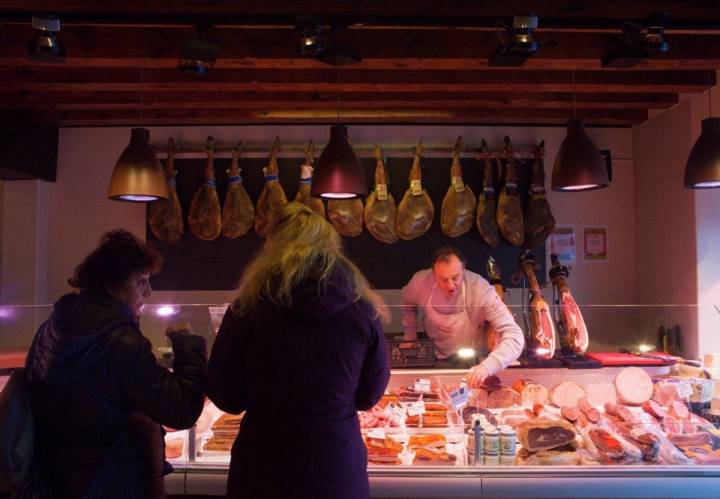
[571, 320]
[204, 218]
[238, 212]
[165, 215]
[509, 213]
[303, 194]
[542, 329]
[487, 201]
[458, 208]
[494, 277]
[416, 211]
[380, 211]
[272, 196]
[539, 220]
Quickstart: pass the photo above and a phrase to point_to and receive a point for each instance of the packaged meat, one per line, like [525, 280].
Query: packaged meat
[590, 412]
[432, 440]
[174, 448]
[655, 409]
[531, 393]
[566, 394]
[620, 411]
[599, 394]
[563, 456]
[634, 386]
[544, 434]
[687, 439]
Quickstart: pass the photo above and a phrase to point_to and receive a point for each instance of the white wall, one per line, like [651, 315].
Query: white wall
[78, 211]
[678, 230]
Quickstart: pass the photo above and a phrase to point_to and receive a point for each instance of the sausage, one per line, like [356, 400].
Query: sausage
[621, 411]
[655, 409]
[679, 410]
[570, 413]
[592, 414]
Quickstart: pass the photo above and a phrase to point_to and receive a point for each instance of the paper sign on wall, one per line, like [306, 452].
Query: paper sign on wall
[595, 243]
[562, 243]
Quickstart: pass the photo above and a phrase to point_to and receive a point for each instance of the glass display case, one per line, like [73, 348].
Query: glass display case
[571, 430]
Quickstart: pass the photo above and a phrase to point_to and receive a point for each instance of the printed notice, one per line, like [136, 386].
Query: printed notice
[562, 243]
[595, 243]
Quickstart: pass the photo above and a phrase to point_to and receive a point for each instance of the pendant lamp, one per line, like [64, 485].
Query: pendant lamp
[702, 170]
[138, 175]
[578, 164]
[338, 173]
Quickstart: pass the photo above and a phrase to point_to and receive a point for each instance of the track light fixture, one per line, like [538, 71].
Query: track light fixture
[328, 50]
[637, 44]
[45, 47]
[309, 31]
[520, 44]
[199, 53]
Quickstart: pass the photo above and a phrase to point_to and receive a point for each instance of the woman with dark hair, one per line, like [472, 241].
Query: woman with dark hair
[300, 349]
[97, 393]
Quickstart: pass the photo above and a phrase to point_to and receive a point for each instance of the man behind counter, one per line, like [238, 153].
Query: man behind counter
[457, 303]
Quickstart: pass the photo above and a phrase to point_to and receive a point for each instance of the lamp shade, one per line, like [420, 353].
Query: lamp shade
[338, 173]
[702, 170]
[138, 175]
[578, 164]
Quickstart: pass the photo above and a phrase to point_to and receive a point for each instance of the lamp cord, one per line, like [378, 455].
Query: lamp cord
[337, 93]
[573, 94]
[142, 95]
[709, 96]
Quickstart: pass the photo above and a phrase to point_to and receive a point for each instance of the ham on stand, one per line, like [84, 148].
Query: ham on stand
[542, 329]
[457, 211]
[204, 217]
[165, 215]
[571, 321]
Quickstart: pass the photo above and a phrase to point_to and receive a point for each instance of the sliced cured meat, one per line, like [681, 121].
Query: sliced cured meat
[539, 220]
[634, 386]
[688, 427]
[272, 197]
[551, 457]
[380, 212]
[457, 212]
[620, 411]
[304, 195]
[592, 413]
[544, 434]
[416, 211]
[566, 394]
[679, 410]
[487, 201]
[599, 394]
[504, 397]
[665, 391]
[238, 212]
[685, 439]
[509, 212]
[204, 217]
[655, 409]
[609, 446]
[165, 215]
[672, 425]
[570, 413]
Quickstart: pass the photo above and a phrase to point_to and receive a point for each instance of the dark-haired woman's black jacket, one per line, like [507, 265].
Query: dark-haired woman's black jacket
[99, 397]
[301, 374]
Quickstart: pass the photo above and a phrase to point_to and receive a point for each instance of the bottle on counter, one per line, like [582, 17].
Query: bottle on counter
[492, 441]
[475, 443]
[508, 441]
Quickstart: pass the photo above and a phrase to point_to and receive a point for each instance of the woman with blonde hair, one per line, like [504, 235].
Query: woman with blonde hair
[301, 350]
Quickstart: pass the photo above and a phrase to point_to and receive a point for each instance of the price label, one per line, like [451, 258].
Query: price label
[415, 188]
[684, 389]
[381, 192]
[422, 385]
[459, 398]
[394, 411]
[415, 408]
[378, 433]
[458, 184]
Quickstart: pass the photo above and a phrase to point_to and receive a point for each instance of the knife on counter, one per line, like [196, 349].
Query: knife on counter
[673, 358]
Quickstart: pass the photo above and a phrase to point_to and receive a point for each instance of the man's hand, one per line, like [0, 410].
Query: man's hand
[476, 376]
[178, 329]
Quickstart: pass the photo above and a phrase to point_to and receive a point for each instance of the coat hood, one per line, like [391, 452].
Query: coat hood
[312, 299]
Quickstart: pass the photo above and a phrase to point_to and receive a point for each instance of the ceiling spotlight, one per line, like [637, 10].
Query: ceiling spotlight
[520, 45]
[638, 44]
[199, 53]
[335, 53]
[309, 30]
[45, 47]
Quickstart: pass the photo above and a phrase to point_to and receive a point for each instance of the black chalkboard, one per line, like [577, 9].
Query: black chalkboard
[194, 264]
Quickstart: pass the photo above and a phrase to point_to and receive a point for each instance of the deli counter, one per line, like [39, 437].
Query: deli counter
[429, 451]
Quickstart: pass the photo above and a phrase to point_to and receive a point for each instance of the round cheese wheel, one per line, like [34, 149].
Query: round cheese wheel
[633, 386]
